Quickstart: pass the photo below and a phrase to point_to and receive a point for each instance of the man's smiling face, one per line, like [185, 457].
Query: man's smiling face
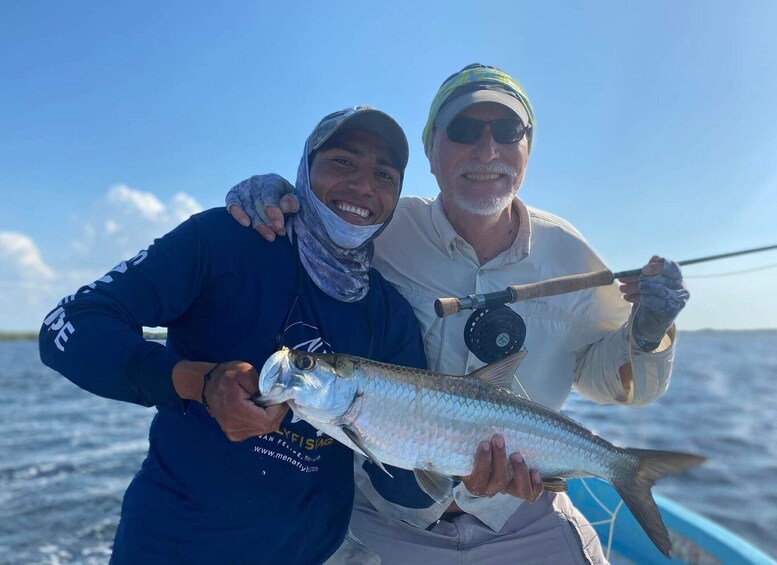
[482, 177]
[356, 176]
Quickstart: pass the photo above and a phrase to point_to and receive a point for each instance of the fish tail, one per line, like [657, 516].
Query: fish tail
[634, 483]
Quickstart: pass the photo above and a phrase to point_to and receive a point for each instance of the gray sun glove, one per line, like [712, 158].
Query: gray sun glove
[255, 194]
[662, 296]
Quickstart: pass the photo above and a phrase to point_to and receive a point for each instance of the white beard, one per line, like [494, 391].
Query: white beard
[489, 203]
[482, 205]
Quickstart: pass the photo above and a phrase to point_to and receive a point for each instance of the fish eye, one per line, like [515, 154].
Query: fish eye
[304, 362]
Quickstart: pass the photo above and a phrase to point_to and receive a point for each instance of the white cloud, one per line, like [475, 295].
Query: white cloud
[116, 227]
[125, 221]
[21, 259]
[26, 282]
[143, 204]
[182, 206]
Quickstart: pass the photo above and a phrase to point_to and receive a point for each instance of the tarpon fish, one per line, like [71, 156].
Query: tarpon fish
[432, 424]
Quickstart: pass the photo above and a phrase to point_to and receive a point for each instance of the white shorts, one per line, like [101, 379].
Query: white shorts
[550, 531]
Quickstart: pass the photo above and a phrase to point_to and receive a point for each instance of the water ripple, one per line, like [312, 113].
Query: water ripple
[66, 456]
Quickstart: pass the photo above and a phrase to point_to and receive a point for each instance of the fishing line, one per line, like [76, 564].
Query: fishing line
[612, 518]
[488, 341]
[520, 384]
[731, 273]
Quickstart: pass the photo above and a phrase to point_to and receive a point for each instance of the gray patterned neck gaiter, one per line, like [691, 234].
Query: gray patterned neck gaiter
[342, 269]
[341, 273]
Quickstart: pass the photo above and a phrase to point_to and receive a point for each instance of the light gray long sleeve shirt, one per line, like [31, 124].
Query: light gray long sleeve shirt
[577, 339]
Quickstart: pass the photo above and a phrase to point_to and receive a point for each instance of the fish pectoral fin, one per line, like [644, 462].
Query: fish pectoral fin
[436, 485]
[356, 439]
[258, 400]
[554, 484]
[263, 401]
[294, 417]
[499, 374]
[276, 395]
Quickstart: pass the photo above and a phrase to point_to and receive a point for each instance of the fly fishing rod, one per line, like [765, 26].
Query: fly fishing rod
[560, 285]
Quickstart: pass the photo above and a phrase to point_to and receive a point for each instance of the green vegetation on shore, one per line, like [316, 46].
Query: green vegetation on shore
[17, 336]
[26, 336]
[161, 336]
[158, 336]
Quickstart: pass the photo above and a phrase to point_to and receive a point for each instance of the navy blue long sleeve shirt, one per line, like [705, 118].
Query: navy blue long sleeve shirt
[224, 294]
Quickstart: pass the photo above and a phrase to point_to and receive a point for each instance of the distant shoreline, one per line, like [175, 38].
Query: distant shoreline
[30, 336]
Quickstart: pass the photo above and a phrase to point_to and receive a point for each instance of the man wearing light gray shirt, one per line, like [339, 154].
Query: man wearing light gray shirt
[477, 236]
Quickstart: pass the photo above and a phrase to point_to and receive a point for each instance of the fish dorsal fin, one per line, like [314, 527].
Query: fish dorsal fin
[499, 374]
[356, 439]
[436, 485]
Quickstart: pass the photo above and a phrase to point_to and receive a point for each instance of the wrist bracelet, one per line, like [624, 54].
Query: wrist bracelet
[205, 380]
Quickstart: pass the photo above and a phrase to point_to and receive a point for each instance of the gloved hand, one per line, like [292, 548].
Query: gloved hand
[261, 201]
[658, 295]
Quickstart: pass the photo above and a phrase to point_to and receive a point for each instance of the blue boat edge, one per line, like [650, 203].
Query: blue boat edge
[695, 539]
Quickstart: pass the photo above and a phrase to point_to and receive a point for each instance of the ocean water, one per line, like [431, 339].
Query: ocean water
[66, 456]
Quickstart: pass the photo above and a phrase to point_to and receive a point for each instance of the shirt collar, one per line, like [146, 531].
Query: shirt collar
[519, 249]
[443, 227]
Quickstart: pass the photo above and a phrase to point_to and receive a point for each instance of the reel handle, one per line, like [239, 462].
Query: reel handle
[519, 292]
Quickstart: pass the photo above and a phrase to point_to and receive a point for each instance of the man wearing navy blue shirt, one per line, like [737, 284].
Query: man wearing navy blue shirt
[224, 480]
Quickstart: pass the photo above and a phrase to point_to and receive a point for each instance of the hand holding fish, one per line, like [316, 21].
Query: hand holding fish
[261, 201]
[495, 473]
[431, 423]
[658, 295]
[228, 394]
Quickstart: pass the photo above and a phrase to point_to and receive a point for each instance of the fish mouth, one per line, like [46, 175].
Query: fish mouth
[272, 385]
[278, 394]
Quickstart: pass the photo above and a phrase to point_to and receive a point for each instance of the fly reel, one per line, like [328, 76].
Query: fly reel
[493, 332]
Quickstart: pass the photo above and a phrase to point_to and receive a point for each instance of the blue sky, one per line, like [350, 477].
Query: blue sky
[656, 123]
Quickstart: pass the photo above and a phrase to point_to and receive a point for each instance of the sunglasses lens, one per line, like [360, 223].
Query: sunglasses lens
[468, 130]
[507, 130]
[465, 130]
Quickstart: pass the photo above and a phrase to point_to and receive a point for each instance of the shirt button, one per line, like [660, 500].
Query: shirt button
[470, 368]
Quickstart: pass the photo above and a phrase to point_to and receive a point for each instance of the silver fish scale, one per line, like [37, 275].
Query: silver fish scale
[422, 420]
[407, 420]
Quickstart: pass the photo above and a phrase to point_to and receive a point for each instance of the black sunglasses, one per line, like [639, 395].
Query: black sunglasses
[468, 130]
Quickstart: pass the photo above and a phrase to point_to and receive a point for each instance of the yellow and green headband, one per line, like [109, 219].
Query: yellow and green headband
[478, 78]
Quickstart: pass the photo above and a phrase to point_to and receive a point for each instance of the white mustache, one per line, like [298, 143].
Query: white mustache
[486, 168]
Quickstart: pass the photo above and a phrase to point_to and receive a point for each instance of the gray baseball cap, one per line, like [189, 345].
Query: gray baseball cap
[473, 84]
[364, 118]
[490, 93]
